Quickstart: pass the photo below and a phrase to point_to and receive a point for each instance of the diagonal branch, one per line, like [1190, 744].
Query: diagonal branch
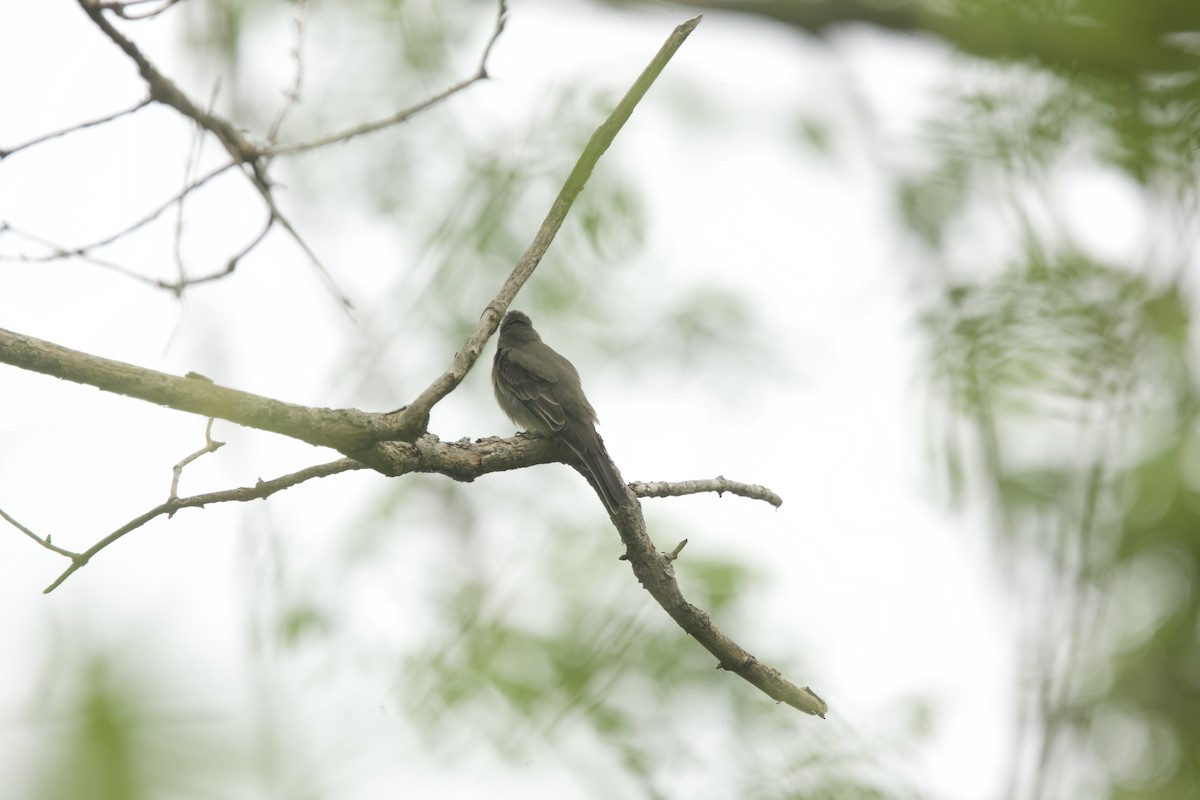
[480, 74]
[244, 152]
[163, 90]
[6, 152]
[259, 491]
[43, 541]
[342, 429]
[83, 250]
[719, 484]
[656, 572]
[599, 142]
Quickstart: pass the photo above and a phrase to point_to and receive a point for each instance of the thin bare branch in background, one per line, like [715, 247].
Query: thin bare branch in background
[259, 491]
[398, 117]
[719, 485]
[210, 446]
[293, 93]
[60, 252]
[43, 541]
[193, 157]
[6, 152]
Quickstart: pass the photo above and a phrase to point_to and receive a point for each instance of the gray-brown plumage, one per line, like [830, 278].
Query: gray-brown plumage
[540, 391]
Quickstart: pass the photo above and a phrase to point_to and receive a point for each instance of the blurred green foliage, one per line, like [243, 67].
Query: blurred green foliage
[1066, 375]
[122, 729]
[1069, 373]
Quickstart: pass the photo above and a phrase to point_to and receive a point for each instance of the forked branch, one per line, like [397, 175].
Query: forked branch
[398, 443]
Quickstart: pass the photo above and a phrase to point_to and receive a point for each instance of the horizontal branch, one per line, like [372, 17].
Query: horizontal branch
[396, 118]
[345, 430]
[719, 484]
[79, 126]
[359, 433]
[259, 491]
[465, 460]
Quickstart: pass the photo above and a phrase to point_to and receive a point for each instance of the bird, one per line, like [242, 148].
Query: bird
[540, 390]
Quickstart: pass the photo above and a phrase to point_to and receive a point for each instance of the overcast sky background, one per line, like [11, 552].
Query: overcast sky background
[877, 594]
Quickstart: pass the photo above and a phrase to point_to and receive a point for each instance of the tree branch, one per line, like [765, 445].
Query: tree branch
[719, 484]
[6, 152]
[656, 572]
[246, 153]
[393, 443]
[398, 117]
[341, 429]
[260, 491]
[461, 460]
[599, 142]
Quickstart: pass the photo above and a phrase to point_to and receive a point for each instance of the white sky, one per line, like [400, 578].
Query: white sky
[888, 596]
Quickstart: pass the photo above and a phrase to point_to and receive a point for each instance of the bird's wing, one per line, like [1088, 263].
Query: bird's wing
[532, 382]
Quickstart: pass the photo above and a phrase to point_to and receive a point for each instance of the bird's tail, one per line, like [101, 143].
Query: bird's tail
[604, 472]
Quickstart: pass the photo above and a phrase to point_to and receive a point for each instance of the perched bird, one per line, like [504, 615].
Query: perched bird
[540, 390]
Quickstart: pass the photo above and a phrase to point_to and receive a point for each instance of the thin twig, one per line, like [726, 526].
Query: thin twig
[292, 95]
[44, 542]
[260, 491]
[231, 264]
[193, 159]
[249, 155]
[719, 484]
[398, 117]
[84, 249]
[59, 252]
[210, 446]
[5, 153]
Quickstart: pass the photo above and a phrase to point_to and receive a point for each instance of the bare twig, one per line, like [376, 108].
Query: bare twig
[59, 252]
[6, 152]
[210, 446]
[249, 155]
[178, 287]
[44, 542]
[719, 484]
[292, 95]
[190, 165]
[259, 491]
[480, 74]
[83, 250]
[674, 554]
[253, 158]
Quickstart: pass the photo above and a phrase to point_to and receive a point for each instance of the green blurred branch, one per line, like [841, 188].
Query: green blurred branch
[599, 142]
